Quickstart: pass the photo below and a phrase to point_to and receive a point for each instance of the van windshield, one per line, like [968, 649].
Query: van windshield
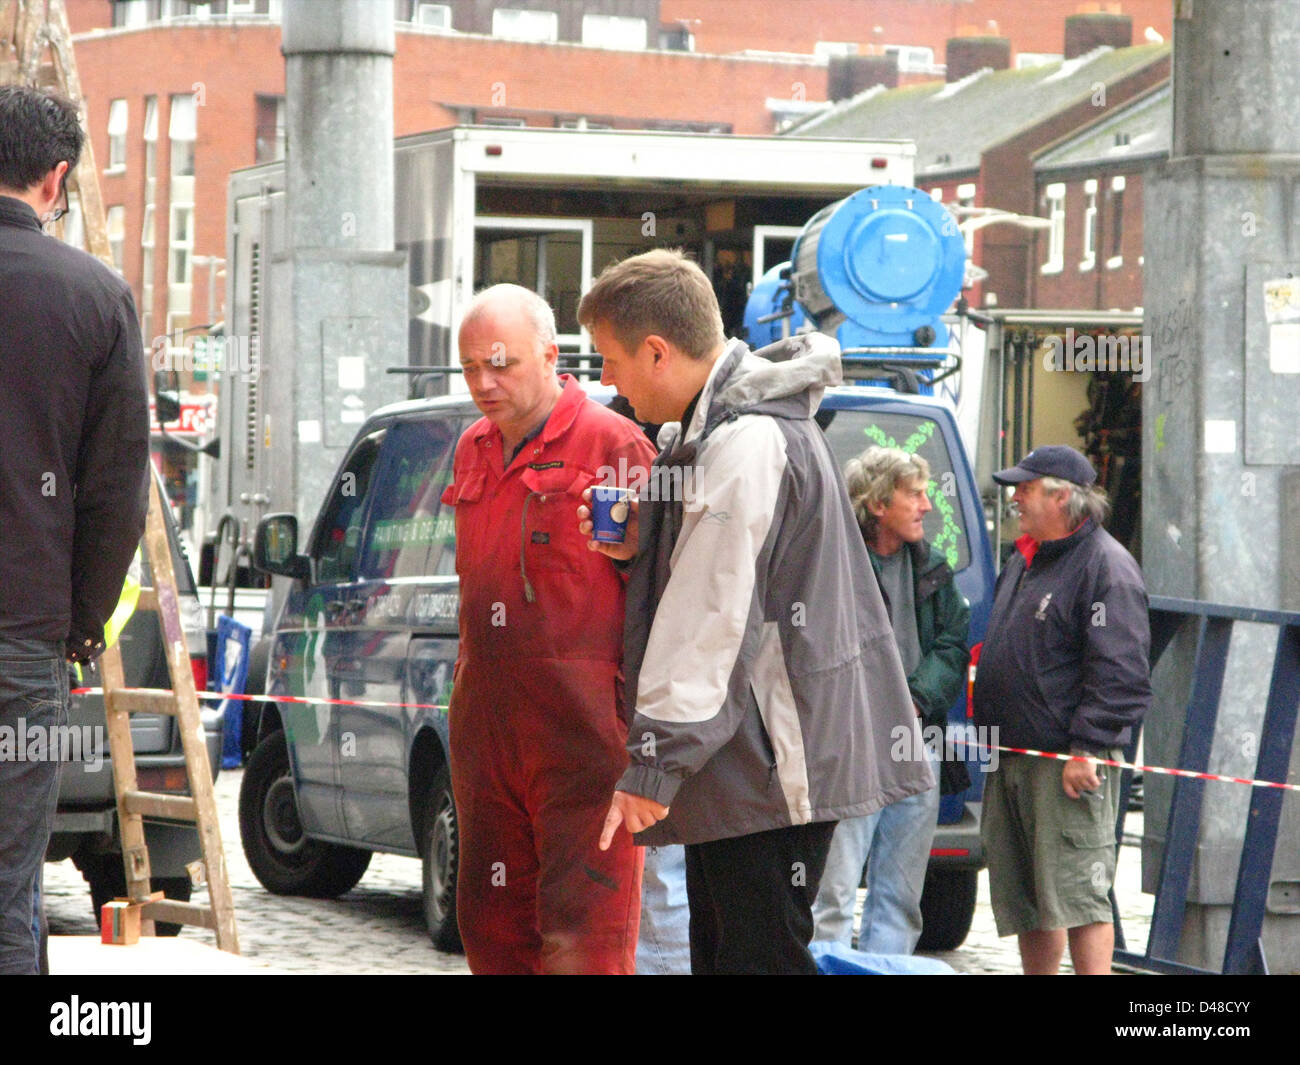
[850, 431]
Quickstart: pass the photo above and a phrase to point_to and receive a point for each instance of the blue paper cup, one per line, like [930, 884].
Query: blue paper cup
[609, 513]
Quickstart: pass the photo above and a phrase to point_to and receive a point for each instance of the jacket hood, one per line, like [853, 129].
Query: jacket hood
[784, 380]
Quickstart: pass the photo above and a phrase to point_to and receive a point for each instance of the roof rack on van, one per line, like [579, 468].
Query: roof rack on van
[900, 373]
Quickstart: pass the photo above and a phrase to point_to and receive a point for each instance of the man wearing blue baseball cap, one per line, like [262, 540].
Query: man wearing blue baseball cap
[1064, 669]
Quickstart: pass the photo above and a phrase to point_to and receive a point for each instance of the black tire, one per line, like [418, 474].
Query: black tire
[282, 857]
[439, 850]
[107, 880]
[947, 908]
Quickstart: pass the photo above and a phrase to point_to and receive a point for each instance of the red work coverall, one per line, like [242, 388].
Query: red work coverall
[537, 735]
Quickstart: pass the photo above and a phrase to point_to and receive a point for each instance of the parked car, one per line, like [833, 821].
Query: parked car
[371, 616]
[85, 822]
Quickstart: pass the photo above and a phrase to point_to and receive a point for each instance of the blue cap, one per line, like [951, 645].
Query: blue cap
[1050, 460]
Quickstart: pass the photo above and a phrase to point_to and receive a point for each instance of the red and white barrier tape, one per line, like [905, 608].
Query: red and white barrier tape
[1190, 773]
[320, 701]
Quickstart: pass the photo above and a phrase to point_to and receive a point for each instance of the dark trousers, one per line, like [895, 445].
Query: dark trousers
[33, 701]
[751, 900]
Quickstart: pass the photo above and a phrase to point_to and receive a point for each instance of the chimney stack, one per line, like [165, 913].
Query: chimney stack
[849, 75]
[1085, 32]
[966, 55]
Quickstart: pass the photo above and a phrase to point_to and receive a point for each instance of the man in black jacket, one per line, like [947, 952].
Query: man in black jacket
[1064, 669]
[74, 452]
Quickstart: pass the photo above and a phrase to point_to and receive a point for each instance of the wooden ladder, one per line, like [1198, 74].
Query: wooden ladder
[28, 28]
[133, 805]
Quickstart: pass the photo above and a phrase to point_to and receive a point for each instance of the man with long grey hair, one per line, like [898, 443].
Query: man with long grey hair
[1064, 669]
[888, 488]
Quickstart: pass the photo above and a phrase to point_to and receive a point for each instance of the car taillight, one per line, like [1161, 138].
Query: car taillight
[949, 852]
[199, 667]
[171, 779]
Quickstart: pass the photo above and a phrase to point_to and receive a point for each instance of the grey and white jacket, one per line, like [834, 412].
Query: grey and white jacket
[763, 681]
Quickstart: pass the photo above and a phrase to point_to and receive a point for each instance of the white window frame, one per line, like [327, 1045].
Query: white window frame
[135, 13]
[1118, 184]
[1055, 195]
[1089, 259]
[618, 32]
[174, 245]
[912, 58]
[442, 10]
[147, 264]
[829, 48]
[525, 24]
[241, 7]
[119, 116]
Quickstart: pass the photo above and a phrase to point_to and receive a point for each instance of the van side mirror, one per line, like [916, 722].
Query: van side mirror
[275, 547]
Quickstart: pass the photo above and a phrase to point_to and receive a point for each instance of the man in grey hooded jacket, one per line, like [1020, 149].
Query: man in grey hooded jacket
[762, 675]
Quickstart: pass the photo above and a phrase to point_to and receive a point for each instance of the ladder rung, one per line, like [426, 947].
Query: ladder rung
[180, 913]
[153, 804]
[148, 600]
[144, 701]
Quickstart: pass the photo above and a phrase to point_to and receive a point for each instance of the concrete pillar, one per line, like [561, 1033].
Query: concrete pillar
[337, 309]
[1221, 447]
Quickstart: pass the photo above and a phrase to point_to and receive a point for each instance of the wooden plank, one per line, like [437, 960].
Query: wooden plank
[180, 913]
[154, 804]
[135, 854]
[142, 701]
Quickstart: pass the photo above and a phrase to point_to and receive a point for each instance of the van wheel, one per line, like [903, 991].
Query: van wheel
[438, 848]
[282, 857]
[947, 908]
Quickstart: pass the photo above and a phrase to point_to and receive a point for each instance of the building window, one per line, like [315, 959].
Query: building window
[519, 25]
[150, 198]
[1117, 223]
[131, 13]
[830, 48]
[117, 123]
[501, 121]
[613, 31]
[269, 138]
[583, 123]
[116, 219]
[1089, 225]
[241, 7]
[433, 16]
[181, 239]
[1055, 235]
[912, 58]
[182, 130]
[146, 266]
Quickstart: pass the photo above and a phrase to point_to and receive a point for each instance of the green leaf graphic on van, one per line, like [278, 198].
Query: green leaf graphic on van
[946, 541]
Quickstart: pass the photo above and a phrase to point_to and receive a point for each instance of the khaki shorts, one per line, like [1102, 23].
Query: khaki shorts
[1051, 858]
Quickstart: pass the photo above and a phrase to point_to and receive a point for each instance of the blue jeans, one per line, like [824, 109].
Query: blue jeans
[894, 844]
[33, 707]
[664, 947]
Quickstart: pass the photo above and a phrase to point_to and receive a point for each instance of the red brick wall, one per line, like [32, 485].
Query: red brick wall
[1032, 25]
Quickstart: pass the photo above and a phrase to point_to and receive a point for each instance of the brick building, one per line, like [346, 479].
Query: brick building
[917, 31]
[175, 103]
[1090, 183]
[977, 134]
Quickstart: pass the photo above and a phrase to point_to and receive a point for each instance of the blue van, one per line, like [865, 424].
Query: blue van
[371, 618]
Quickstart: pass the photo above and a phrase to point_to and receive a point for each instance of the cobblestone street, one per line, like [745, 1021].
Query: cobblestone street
[378, 927]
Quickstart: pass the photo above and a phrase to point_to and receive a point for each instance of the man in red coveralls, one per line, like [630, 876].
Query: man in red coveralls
[537, 741]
